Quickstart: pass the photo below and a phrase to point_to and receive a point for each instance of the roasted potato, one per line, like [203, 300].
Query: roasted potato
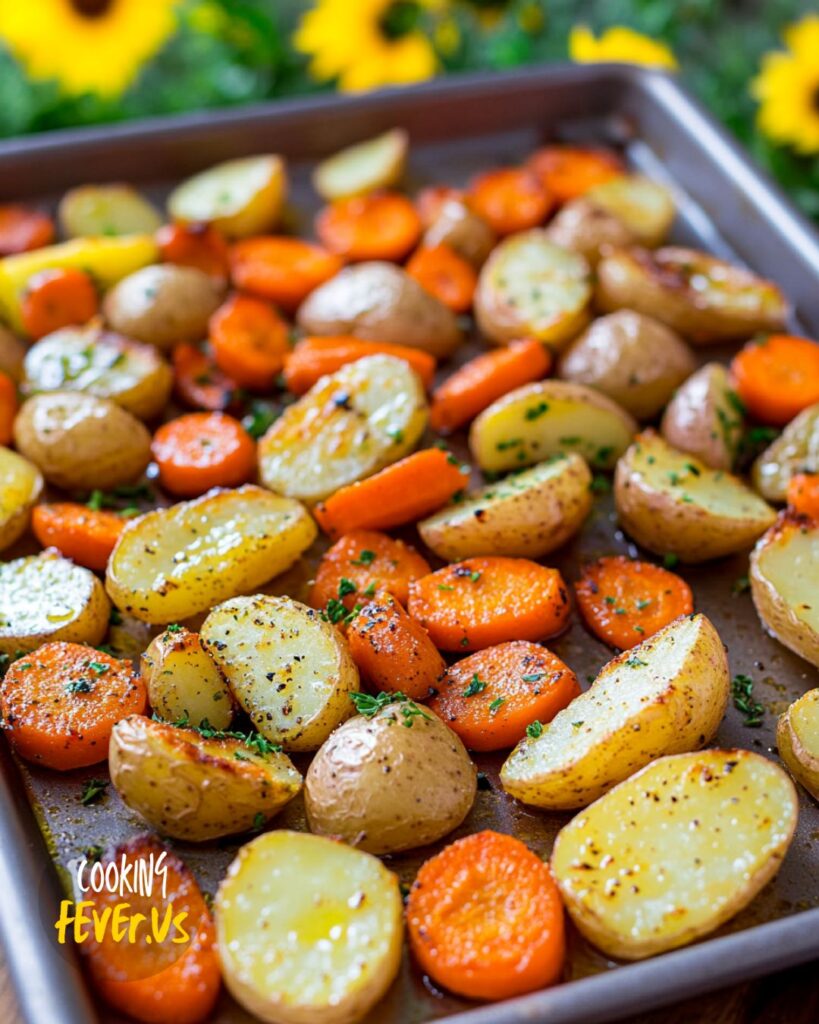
[99, 362]
[632, 358]
[675, 851]
[672, 503]
[796, 450]
[380, 302]
[538, 420]
[364, 167]
[461, 229]
[349, 425]
[163, 304]
[527, 515]
[128, 637]
[797, 739]
[20, 487]
[80, 442]
[92, 210]
[784, 579]
[335, 939]
[705, 418]
[46, 597]
[345, 795]
[287, 666]
[645, 207]
[530, 287]
[703, 298]
[664, 696]
[193, 788]
[12, 353]
[588, 229]
[174, 562]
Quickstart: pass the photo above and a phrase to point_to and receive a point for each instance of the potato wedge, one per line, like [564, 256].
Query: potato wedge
[193, 788]
[461, 229]
[47, 597]
[364, 167]
[530, 287]
[653, 865]
[287, 666]
[183, 681]
[705, 418]
[797, 739]
[527, 515]
[672, 503]
[174, 562]
[107, 210]
[796, 450]
[538, 420]
[239, 197]
[784, 578]
[336, 945]
[349, 425]
[12, 353]
[645, 207]
[588, 229]
[21, 485]
[664, 696]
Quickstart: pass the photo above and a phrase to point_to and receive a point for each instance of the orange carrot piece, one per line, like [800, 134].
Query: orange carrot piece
[430, 201]
[202, 450]
[249, 341]
[403, 492]
[198, 381]
[379, 226]
[510, 199]
[60, 703]
[313, 358]
[570, 171]
[86, 536]
[444, 274]
[57, 298]
[8, 408]
[778, 377]
[194, 245]
[475, 385]
[22, 229]
[281, 269]
[803, 494]
[623, 602]
[490, 698]
[485, 601]
[485, 918]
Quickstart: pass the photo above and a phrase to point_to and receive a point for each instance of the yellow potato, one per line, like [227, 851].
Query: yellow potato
[20, 487]
[797, 739]
[796, 450]
[364, 167]
[705, 418]
[588, 229]
[645, 207]
[107, 210]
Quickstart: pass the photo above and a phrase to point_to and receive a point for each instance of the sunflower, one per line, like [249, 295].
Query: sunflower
[620, 44]
[788, 89]
[86, 45]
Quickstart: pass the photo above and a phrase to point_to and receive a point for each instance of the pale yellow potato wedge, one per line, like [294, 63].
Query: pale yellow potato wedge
[644, 206]
[335, 935]
[796, 450]
[21, 485]
[174, 562]
[797, 739]
[675, 851]
[364, 167]
[705, 418]
[107, 210]
[664, 696]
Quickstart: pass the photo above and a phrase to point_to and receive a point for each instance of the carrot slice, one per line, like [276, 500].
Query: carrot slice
[8, 408]
[379, 226]
[444, 274]
[803, 494]
[60, 703]
[570, 171]
[202, 450]
[155, 978]
[778, 377]
[86, 536]
[22, 229]
[284, 270]
[475, 385]
[430, 201]
[485, 601]
[313, 358]
[369, 561]
[403, 492]
[624, 601]
[57, 298]
[510, 199]
[198, 381]
[249, 341]
[490, 698]
[485, 918]
[194, 245]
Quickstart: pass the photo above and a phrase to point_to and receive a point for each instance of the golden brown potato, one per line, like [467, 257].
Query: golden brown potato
[20, 487]
[705, 418]
[796, 450]
[588, 229]
[797, 737]
[12, 353]
[463, 230]
[645, 207]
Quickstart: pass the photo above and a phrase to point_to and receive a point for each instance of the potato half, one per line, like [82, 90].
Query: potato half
[12, 354]
[21, 485]
[644, 206]
[664, 696]
[107, 210]
[588, 229]
[364, 167]
[461, 229]
[672, 503]
[796, 450]
[675, 851]
[309, 930]
[797, 738]
[194, 788]
[705, 418]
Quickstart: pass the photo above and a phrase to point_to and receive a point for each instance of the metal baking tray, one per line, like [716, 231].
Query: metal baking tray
[457, 127]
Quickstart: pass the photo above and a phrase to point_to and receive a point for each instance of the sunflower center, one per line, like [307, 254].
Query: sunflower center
[91, 8]
[400, 18]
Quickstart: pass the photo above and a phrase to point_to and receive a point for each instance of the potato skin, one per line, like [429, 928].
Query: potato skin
[703, 420]
[586, 228]
[796, 450]
[21, 485]
[463, 230]
[800, 757]
[348, 795]
[12, 353]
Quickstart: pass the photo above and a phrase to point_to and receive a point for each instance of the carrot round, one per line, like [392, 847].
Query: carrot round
[86, 536]
[485, 601]
[284, 270]
[510, 199]
[485, 918]
[60, 703]
[202, 450]
[803, 494]
[8, 408]
[475, 385]
[57, 298]
[430, 201]
[313, 358]
[22, 229]
[490, 698]
[624, 601]
[444, 274]
[194, 245]
[778, 377]
[403, 492]
[380, 226]
[570, 171]
[198, 381]
[249, 341]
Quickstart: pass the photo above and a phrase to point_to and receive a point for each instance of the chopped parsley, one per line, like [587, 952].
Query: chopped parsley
[93, 790]
[494, 707]
[174, 628]
[742, 690]
[534, 730]
[600, 484]
[635, 662]
[78, 686]
[345, 587]
[259, 418]
[476, 686]
[533, 677]
[670, 560]
[536, 411]
[369, 705]
[365, 557]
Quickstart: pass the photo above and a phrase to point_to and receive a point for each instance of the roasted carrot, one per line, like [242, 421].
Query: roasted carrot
[567, 172]
[475, 385]
[623, 601]
[444, 274]
[151, 977]
[22, 229]
[492, 697]
[401, 493]
[284, 270]
[380, 226]
[249, 341]
[313, 358]
[86, 536]
[803, 494]
[202, 450]
[368, 561]
[60, 703]
[8, 408]
[57, 298]
[194, 245]
[510, 199]
[485, 918]
[198, 381]
[778, 377]
[430, 201]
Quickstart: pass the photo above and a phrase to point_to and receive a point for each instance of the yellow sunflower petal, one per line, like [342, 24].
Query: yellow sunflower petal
[620, 44]
[787, 88]
[802, 38]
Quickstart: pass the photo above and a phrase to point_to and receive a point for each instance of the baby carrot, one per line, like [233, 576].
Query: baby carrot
[194, 245]
[778, 377]
[8, 408]
[22, 229]
[379, 226]
[198, 381]
[444, 274]
[202, 450]
[86, 536]
[313, 358]
[570, 171]
[510, 199]
[57, 298]
[803, 494]
[249, 341]
[281, 269]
